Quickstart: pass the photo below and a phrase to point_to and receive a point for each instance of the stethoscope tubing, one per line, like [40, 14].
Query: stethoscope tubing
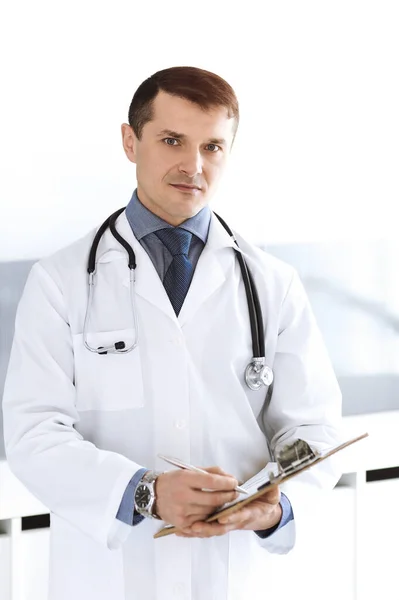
[254, 308]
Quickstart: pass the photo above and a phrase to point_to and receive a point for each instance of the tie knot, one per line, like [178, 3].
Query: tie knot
[176, 240]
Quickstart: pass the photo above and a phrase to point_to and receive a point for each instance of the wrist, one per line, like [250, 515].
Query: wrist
[278, 515]
[271, 520]
[145, 495]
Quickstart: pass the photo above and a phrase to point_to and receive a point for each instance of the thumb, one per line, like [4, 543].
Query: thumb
[272, 497]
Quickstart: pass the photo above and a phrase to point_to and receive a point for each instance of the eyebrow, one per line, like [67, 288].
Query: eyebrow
[182, 136]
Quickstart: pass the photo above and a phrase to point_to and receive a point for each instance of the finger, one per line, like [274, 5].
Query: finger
[219, 471]
[199, 513]
[204, 530]
[212, 499]
[216, 471]
[198, 517]
[239, 517]
[212, 481]
[186, 531]
[271, 497]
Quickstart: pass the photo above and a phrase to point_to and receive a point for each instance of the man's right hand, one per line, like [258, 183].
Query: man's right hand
[180, 500]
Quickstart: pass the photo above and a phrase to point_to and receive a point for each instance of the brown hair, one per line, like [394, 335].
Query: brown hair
[203, 88]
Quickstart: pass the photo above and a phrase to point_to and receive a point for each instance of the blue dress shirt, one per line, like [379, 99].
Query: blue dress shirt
[144, 223]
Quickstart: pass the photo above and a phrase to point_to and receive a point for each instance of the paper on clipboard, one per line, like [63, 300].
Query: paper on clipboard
[266, 480]
[252, 485]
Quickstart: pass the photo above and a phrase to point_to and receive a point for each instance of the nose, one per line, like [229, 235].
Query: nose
[191, 164]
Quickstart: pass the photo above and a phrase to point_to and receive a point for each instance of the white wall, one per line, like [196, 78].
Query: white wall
[316, 155]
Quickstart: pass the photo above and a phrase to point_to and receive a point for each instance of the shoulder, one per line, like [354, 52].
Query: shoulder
[69, 261]
[277, 281]
[265, 264]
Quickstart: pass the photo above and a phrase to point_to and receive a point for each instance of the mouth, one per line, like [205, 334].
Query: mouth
[186, 188]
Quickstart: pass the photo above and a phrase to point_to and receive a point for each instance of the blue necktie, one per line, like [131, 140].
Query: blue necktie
[178, 276]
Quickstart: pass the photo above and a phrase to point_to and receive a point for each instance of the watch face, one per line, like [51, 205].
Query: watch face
[142, 496]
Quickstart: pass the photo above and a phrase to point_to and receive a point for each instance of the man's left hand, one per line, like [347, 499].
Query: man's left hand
[263, 513]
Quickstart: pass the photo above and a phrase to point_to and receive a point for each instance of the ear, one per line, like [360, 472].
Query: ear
[129, 142]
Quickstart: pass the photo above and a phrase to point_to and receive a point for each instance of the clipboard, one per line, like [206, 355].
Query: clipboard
[268, 486]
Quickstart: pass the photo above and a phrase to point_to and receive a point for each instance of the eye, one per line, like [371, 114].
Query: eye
[213, 148]
[168, 140]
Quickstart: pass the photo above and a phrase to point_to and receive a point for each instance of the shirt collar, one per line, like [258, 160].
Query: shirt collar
[143, 221]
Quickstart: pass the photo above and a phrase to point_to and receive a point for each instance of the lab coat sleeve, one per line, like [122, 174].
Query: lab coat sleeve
[305, 403]
[73, 478]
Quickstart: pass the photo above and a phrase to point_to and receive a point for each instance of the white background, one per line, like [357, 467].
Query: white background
[316, 156]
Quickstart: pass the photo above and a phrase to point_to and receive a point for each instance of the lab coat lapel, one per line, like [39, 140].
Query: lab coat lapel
[213, 265]
[210, 273]
[148, 283]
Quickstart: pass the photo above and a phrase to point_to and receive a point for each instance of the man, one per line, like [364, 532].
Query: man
[83, 429]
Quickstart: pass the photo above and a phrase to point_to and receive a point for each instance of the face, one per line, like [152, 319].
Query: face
[180, 157]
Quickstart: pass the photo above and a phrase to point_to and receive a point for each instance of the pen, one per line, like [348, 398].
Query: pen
[182, 465]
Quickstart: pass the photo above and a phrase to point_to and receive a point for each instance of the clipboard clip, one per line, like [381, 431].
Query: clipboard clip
[294, 456]
[291, 458]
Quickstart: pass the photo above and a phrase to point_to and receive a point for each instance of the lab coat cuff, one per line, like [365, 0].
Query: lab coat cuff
[126, 512]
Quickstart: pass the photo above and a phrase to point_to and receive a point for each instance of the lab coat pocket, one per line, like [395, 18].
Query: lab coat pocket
[107, 381]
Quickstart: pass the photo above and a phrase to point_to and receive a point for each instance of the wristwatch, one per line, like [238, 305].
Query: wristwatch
[144, 497]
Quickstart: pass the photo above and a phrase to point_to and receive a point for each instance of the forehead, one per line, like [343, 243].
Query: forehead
[181, 115]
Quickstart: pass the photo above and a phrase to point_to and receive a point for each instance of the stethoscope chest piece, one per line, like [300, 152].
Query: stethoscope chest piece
[257, 374]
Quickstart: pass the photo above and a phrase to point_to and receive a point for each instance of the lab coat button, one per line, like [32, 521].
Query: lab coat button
[180, 424]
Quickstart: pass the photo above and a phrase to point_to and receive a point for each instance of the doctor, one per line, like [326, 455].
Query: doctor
[83, 427]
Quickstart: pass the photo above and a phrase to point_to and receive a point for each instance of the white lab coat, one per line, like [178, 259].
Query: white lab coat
[78, 425]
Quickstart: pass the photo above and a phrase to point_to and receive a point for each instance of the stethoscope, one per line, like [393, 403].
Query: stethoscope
[257, 372]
